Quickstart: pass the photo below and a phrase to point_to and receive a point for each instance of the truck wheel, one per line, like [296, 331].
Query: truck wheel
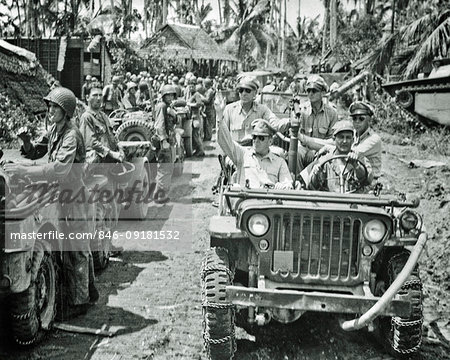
[138, 209]
[401, 336]
[404, 98]
[135, 130]
[101, 246]
[218, 314]
[34, 309]
[188, 146]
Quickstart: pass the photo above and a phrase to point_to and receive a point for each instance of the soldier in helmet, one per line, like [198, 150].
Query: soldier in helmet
[66, 154]
[165, 121]
[112, 96]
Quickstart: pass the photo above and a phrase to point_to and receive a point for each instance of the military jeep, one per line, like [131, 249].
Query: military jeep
[276, 254]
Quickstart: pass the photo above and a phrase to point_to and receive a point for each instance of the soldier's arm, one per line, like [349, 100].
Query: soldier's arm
[278, 124]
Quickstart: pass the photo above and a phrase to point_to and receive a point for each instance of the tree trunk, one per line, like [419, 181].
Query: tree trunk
[268, 47]
[18, 15]
[283, 36]
[165, 4]
[333, 23]
[325, 27]
[220, 11]
[280, 18]
[226, 12]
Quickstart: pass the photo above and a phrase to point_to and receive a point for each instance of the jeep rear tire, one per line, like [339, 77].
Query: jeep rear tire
[402, 336]
[135, 130]
[218, 313]
[138, 208]
[34, 309]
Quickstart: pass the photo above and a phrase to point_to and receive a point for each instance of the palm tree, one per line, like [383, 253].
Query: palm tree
[428, 36]
[248, 27]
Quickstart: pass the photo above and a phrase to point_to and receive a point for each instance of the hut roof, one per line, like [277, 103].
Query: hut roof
[188, 41]
[22, 78]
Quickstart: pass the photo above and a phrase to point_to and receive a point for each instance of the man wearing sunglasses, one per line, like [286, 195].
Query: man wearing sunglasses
[238, 116]
[317, 119]
[367, 142]
[256, 167]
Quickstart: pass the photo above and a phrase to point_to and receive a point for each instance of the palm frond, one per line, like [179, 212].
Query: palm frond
[434, 45]
[416, 28]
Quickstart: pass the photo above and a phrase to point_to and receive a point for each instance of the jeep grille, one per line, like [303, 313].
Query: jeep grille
[324, 246]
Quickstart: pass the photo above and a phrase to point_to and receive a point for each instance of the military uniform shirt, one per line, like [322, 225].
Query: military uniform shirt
[258, 170]
[318, 124]
[98, 135]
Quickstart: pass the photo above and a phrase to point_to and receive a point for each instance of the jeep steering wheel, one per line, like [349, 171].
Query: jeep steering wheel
[347, 177]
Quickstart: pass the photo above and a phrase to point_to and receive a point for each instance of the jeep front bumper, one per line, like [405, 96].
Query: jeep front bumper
[313, 301]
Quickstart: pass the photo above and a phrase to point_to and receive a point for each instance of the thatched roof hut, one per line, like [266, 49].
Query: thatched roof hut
[22, 79]
[192, 45]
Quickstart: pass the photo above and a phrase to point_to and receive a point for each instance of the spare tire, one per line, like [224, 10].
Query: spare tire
[135, 130]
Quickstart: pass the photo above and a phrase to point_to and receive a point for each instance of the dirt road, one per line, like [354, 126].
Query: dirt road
[151, 294]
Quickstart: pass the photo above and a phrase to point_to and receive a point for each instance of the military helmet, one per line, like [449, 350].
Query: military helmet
[64, 98]
[168, 89]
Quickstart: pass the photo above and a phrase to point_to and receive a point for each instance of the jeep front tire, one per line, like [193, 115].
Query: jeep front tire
[218, 313]
[401, 336]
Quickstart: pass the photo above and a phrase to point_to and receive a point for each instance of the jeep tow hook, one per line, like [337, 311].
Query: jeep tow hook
[387, 297]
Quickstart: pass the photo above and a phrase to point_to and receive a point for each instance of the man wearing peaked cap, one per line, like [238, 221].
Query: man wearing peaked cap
[257, 166]
[367, 143]
[325, 173]
[238, 116]
[317, 120]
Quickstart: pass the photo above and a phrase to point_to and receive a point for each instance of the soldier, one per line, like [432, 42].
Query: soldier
[86, 88]
[66, 153]
[129, 99]
[165, 121]
[177, 87]
[317, 120]
[238, 116]
[112, 96]
[210, 111]
[367, 143]
[257, 166]
[325, 176]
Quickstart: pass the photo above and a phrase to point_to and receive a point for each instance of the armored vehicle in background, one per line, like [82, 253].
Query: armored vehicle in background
[425, 99]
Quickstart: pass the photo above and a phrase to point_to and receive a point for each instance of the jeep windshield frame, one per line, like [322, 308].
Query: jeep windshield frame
[314, 196]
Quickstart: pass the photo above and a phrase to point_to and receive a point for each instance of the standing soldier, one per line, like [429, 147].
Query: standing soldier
[66, 154]
[210, 111]
[129, 99]
[86, 88]
[317, 120]
[165, 121]
[111, 96]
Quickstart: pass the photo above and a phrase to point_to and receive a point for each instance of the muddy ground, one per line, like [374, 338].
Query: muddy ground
[151, 293]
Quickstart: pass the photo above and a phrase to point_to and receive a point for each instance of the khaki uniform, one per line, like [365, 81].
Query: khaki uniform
[317, 125]
[98, 135]
[165, 129]
[65, 149]
[328, 180]
[257, 170]
[210, 113]
[239, 122]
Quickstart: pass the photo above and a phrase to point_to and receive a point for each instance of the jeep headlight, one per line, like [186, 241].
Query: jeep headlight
[258, 224]
[409, 220]
[374, 231]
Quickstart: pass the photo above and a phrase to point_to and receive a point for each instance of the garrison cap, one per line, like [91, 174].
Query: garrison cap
[316, 82]
[248, 83]
[262, 127]
[116, 78]
[360, 108]
[343, 125]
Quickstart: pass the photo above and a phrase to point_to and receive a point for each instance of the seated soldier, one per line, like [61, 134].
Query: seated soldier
[258, 166]
[326, 173]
